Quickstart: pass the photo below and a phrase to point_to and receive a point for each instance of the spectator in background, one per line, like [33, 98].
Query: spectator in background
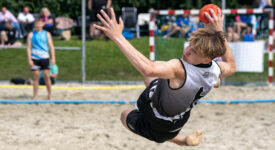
[262, 4]
[26, 21]
[5, 16]
[181, 24]
[242, 22]
[47, 19]
[247, 35]
[39, 44]
[232, 36]
[8, 36]
[94, 7]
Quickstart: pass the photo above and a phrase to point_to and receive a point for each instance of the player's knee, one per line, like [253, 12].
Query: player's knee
[124, 115]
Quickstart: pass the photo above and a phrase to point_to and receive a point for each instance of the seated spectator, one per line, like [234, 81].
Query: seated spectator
[242, 22]
[48, 20]
[181, 24]
[53, 74]
[8, 36]
[5, 16]
[232, 36]
[247, 35]
[26, 21]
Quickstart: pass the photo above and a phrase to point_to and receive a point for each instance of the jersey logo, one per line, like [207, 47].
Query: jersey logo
[206, 74]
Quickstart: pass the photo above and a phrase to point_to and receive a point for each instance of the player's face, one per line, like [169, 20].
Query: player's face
[192, 57]
[39, 25]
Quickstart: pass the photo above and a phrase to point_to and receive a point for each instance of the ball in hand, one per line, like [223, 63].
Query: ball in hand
[206, 8]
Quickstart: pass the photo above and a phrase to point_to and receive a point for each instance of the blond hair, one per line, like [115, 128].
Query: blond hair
[208, 43]
[47, 10]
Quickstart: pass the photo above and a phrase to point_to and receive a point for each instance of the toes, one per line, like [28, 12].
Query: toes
[199, 132]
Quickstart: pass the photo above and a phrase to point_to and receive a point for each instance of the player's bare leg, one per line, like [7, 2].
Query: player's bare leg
[193, 139]
[123, 117]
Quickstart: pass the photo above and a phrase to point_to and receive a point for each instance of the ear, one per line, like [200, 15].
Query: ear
[206, 60]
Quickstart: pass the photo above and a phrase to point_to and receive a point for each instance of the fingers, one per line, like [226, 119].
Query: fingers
[106, 17]
[113, 15]
[208, 16]
[213, 14]
[100, 28]
[102, 20]
[121, 22]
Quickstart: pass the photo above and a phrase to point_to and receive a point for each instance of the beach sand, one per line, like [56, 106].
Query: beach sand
[98, 127]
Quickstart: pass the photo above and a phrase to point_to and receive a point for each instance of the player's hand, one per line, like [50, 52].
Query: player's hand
[52, 61]
[31, 64]
[215, 21]
[110, 26]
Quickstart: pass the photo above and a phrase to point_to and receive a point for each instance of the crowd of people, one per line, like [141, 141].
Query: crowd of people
[242, 29]
[13, 28]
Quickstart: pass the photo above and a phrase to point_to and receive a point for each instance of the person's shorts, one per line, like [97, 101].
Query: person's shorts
[144, 123]
[42, 64]
[93, 13]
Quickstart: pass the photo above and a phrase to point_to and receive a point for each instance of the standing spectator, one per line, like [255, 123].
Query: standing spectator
[39, 43]
[94, 7]
[247, 35]
[48, 20]
[232, 36]
[26, 21]
[5, 16]
[8, 36]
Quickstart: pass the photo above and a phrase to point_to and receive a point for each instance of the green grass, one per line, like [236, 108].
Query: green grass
[104, 61]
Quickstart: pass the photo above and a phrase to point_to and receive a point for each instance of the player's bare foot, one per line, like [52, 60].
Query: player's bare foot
[49, 97]
[34, 98]
[194, 139]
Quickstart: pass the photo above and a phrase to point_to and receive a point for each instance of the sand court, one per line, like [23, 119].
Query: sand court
[97, 126]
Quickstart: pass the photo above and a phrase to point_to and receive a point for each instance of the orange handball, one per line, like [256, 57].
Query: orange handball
[206, 8]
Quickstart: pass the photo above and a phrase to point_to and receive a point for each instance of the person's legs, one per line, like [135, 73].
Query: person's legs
[174, 29]
[17, 27]
[238, 27]
[35, 83]
[92, 29]
[46, 74]
[193, 139]
[4, 37]
[123, 117]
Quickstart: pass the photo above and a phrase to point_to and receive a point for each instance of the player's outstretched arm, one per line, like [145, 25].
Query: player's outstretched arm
[228, 66]
[147, 68]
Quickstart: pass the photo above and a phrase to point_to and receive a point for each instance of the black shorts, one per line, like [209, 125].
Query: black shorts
[93, 13]
[42, 64]
[144, 123]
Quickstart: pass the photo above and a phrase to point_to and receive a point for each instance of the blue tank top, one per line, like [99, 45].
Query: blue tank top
[40, 48]
[248, 38]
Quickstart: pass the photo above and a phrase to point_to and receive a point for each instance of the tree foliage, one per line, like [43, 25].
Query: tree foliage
[72, 8]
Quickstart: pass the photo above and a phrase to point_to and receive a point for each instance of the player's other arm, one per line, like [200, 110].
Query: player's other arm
[228, 66]
[29, 46]
[146, 67]
[52, 50]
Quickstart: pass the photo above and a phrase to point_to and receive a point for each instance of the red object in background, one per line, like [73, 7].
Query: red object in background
[206, 8]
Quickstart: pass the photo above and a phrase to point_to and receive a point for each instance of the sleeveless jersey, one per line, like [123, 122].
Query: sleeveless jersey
[40, 49]
[171, 104]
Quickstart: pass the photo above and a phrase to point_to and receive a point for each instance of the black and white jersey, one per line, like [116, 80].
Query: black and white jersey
[171, 104]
